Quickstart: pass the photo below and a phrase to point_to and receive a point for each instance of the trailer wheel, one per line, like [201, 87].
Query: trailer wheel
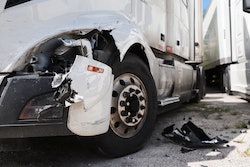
[133, 108]
[200, 85]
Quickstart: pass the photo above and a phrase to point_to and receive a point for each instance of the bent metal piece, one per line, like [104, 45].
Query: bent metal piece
[191, 136]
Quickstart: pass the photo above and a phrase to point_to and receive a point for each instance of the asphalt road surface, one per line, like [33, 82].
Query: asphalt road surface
[218, 115]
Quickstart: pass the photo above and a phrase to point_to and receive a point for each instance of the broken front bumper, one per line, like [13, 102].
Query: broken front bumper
[88, 111]
[89, 114]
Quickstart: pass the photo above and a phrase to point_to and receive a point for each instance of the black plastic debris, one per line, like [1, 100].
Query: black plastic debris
[186, 150]
[191, 136]
[243, 131]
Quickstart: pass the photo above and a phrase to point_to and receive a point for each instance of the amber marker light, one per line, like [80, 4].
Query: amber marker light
[95, 69]
[169, 49]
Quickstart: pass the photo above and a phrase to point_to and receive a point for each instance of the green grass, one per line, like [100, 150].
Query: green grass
[226, 127]
[208, 110]
[247, 151]
[241, 125]
[234, 113]
[239, 141]
[233, 131]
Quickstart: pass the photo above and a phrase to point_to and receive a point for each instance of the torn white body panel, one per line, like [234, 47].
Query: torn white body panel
[83, 43]
[90, 113]
[2, 3]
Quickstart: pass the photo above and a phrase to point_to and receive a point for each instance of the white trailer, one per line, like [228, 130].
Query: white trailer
[96, 68]
[226, 29]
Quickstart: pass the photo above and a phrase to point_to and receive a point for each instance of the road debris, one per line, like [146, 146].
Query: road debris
[191, 136]
[186, 150]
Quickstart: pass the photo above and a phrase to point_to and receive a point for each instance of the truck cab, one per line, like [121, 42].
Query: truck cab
[95, 68]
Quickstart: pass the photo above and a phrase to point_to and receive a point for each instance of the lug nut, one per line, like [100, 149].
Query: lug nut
[137, 91]
[128, 120]
[113, 110]
[131, 90]
[139, 116]
[142, 107]
[123, 103]
[114, 94]
[141, 98]
[124, 113]
[122, 82]
[117, 124]
[126, 94]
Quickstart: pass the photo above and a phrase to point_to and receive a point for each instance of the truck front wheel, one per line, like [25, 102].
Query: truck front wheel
[133, 108]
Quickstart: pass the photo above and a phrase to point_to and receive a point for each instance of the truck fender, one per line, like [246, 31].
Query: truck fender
[91, 83]
[125, 33]
[89, 114]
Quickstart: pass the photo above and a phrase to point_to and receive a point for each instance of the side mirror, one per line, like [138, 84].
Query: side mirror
[246, 6]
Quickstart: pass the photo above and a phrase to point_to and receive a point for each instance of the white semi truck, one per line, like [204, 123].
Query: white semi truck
[226, 45]
[96, 68]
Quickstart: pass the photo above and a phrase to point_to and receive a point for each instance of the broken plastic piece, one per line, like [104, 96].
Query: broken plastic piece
[58, 80]
[191, 136]
[83, 43]
[186, 150]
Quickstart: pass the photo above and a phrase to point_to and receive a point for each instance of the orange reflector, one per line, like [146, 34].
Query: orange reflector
[95, 69]
[169, 49]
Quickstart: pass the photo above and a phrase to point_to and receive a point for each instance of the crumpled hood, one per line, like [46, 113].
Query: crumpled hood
[16, 42]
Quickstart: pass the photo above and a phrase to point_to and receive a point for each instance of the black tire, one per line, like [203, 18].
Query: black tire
[131, 122]
[202, 83]
[226, 81]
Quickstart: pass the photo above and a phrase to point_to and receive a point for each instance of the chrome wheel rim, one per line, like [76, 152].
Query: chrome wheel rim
[128, 107]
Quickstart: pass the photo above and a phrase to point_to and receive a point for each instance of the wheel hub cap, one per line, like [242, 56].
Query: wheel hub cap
[130, 105]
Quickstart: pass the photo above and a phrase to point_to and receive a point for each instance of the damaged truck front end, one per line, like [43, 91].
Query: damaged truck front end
[64, 86]
[83, 73]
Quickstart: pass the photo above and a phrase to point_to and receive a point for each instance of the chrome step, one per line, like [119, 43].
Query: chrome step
[169, 100]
